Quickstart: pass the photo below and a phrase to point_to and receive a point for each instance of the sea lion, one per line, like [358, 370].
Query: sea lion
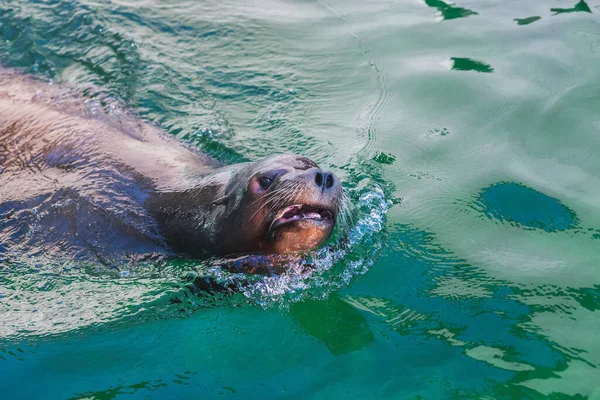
[91, 181]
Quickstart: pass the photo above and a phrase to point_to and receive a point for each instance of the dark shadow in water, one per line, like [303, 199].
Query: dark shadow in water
[145, 386]
[114, 392]
[526, 21]
[579, 7]
[449, 11]
[467, 64]
[518, 204]
[384, 158]
[335, 323]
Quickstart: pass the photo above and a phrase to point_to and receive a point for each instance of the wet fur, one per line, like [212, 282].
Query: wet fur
[95, 183]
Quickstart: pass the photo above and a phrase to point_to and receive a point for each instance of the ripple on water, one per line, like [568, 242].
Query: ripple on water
[42, 296]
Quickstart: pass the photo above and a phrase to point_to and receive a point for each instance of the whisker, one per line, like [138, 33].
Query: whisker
[280, 200]
[344, 213]
[266, 195]
[272, 197]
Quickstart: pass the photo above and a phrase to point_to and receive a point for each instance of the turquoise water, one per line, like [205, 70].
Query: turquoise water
[467, 135]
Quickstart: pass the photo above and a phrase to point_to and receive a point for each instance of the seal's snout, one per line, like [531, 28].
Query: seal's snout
[308, 218]
[324, 180]
[292, 205]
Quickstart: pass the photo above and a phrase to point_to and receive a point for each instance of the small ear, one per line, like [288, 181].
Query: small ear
[221, 201]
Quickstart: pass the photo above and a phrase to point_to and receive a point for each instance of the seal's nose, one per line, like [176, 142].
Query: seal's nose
[324, 180]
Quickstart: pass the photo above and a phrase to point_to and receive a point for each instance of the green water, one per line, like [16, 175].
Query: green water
[468, 136]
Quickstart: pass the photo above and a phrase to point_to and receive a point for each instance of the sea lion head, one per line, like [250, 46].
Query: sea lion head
[282, 204]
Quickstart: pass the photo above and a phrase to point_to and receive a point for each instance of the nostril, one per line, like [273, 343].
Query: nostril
[329, 181]
[319, 179]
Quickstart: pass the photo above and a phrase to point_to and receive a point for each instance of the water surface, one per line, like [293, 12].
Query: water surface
[468, 137]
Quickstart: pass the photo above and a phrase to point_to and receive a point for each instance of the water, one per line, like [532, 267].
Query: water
[467, 135]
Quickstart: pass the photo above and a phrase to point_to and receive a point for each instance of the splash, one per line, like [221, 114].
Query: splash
[45, 296]
[331, 267]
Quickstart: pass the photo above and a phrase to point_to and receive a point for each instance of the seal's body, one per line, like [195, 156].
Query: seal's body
[91, 184]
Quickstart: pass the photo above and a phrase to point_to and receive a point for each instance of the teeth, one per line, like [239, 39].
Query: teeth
[300, 211]
[312, 215]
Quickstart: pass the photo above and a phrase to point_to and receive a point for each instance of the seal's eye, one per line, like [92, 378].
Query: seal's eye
[265, 182]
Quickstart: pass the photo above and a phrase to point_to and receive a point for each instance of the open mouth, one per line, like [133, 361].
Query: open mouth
[302, 212]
